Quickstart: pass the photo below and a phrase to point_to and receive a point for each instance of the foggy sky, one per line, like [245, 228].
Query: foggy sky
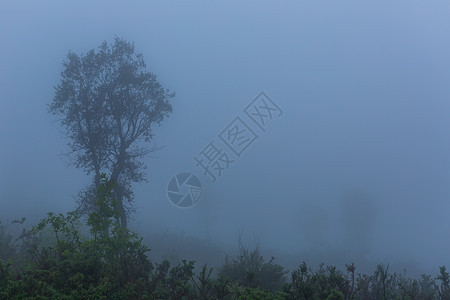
[364, 88]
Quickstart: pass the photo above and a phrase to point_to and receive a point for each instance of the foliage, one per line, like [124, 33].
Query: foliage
[250, 269]
[326, 283]
[108, 103]
[7, 249]
[110, 262]
[444, 288]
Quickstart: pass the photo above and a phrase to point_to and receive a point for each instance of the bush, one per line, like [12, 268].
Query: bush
[249, 269]
[326, 283]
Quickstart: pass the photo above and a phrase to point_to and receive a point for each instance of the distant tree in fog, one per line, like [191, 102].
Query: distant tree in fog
[109, 102]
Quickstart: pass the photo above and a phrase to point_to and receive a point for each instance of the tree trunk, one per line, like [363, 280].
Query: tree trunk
[121, 208]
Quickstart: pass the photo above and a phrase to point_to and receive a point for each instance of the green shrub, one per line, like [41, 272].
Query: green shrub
[250, 269]
[326, 283]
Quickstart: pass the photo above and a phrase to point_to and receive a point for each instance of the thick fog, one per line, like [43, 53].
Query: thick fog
[354, 167]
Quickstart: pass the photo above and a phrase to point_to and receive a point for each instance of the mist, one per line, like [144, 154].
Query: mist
[354, 166]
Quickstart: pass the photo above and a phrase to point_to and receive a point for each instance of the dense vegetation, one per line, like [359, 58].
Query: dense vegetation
[111, 262]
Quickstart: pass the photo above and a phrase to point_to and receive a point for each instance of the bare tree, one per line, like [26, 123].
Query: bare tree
[109, 102]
